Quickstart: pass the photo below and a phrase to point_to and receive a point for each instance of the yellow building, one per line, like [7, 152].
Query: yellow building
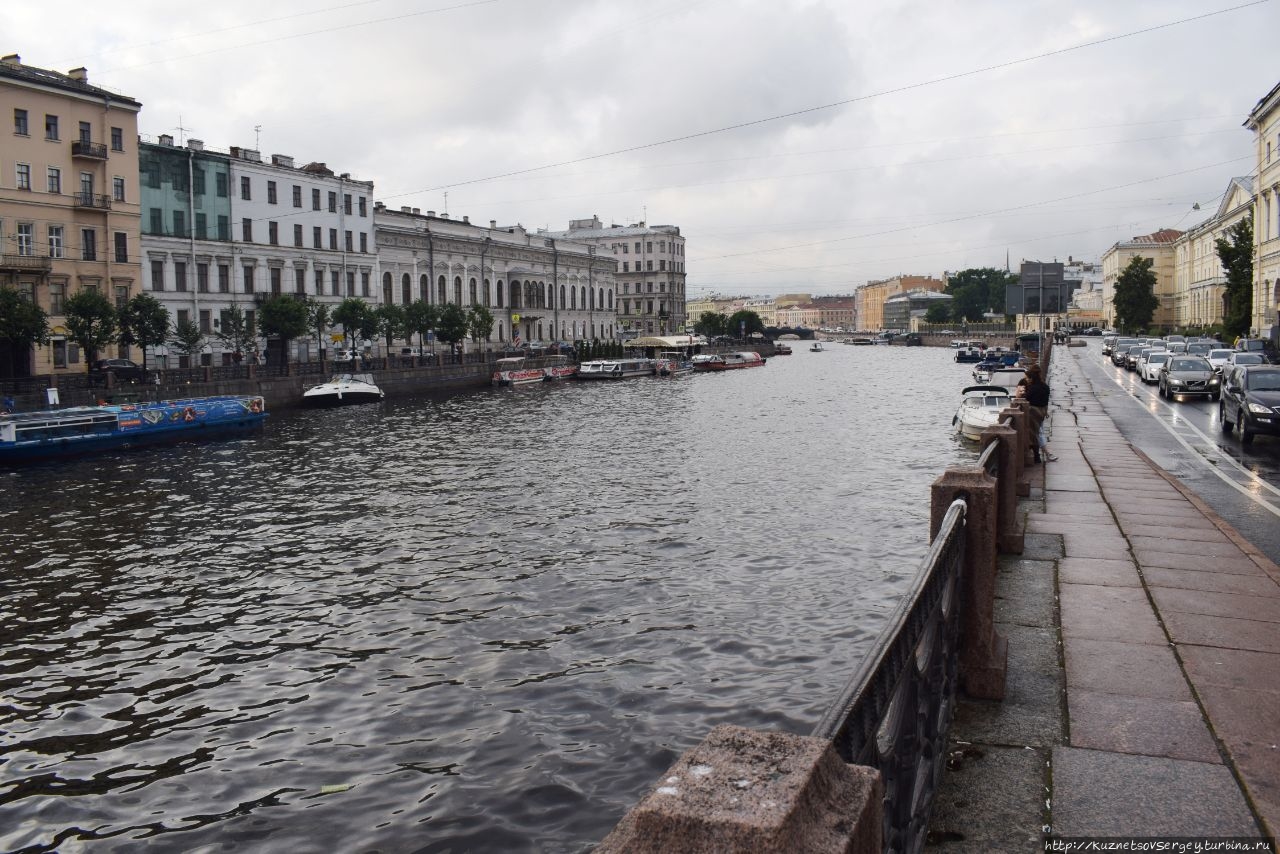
[1159, 247]
[1264, 121]
[871, 296]
[1199, 282]
[69, 213]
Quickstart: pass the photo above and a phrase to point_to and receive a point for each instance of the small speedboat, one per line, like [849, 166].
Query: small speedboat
[816, 347]
[979, 409]
[343, 390]
[968, 354]
[780, 349]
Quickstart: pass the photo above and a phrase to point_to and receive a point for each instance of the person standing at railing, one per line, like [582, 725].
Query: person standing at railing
[1036, 391]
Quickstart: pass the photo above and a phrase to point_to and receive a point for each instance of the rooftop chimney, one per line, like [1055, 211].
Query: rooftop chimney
[250, 154]
[282, 160]
[466, 220]
[12, 60]
[417, 211]
[195, 144]
[80, 74]
[406, 209]
[493, 223]
[345, 175]
[166, 139]
[431, 213]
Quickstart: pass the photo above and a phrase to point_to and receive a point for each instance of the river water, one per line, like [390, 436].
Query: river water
[485, 622]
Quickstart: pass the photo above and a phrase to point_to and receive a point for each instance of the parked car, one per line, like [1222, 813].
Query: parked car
[1251, 401]
[124, 370]
[1151, 363]
[1181, 376]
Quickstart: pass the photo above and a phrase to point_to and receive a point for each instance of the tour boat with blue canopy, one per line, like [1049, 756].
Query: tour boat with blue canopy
[32, 436]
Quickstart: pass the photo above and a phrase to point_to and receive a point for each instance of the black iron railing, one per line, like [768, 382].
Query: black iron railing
[91, 200]
[91, 150]
[895, 712]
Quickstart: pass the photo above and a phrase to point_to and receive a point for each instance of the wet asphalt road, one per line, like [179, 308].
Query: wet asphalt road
[1241, 484]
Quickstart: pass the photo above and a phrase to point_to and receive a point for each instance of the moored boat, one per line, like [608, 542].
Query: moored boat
[816, 347]
[615, 369]
[672, 363]
[728, 361]
[343, 390]
[31, 436]
[968, 354]
[980, 409]
[559, 368]
[780, 349]
[514, 371]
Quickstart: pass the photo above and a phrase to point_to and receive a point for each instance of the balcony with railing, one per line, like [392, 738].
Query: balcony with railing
[95, 201]
[88, 150]
[26, 263]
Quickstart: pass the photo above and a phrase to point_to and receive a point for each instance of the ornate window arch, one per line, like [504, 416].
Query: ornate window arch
[424, 287]
[443, 291]
[487, 303]
[386, 287]
[406, 288]
[499, 294]
[457, 290]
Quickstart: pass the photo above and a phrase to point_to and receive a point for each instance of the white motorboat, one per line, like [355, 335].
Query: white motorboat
[514, 371]
[980, 409]
[615, 369]
[816, 347]
[343, 390]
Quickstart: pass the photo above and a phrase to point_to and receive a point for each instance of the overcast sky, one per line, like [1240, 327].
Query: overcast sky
[1103, 133]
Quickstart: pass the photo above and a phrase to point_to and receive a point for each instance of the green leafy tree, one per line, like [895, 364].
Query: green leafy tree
[421, 317]
[710, 323]
[319, 319]
[1134, 299]
[452, 325]
[91, 321]
[743, 323]
[187, 338]
[356, 319]
[391, 323]
[236, 332]
[937, 313]
[284, 317]
[23, 325]
[480, 323]
[1235, 251]
[144, 323]
[976, 291]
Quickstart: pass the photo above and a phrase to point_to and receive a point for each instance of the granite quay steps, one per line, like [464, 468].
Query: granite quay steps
[1143, 693]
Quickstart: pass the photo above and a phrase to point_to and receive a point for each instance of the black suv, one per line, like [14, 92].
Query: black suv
[124, 370]
[1251, 401]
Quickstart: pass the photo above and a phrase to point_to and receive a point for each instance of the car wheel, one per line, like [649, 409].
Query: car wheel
[1246, 435]
[1227, 426]
[1215, 397]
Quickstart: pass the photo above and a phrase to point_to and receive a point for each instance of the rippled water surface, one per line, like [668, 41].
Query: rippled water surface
[483, 622]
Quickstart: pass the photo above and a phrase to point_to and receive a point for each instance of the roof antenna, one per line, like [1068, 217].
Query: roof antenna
[446, 202]
[181, 130]
[257, 137]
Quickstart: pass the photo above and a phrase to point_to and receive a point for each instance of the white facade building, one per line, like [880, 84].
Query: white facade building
[225, 230]
[545, 289]
[649, 268]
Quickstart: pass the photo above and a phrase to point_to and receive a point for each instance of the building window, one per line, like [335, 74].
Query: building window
[297, 196]
[224, 227]
[55, 180]
[662, 266]
[55, 241]
[333, 202]
[88, 244]
[244, 187]
[346, 203]
[122, 247]
[364, 284]
[24, 176]
[347, 243]
[224, 279]
[297, 234]
[20, 122]
[246, 230]
[315, 199]
[202, 226]
[276, 285]
[364, 242]
[202, 278]
[86, 132]
[271, 192]
[26, 238]
[317, 239]
[648, 266]
[206, 321]
[57, 299]
[637, 247]
[333, 239]
[626, 266]
[351, 283]
[220, 184]
[319, 283]
[51, 127]
[180, 276]
[197, 178]
[335, 286]
[117, 189]
[299, 280]
[248, 278]
[273, 233]
[179, 223]
[117, 139]
[364, 209]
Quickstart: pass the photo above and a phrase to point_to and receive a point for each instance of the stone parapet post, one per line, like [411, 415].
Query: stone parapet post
[1010, 532]
[753, 792]
[1020, 420]
[983, 652]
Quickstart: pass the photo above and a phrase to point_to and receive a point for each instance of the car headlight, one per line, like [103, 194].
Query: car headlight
[1175, 382]
[1259, 409]
[1213, 381]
